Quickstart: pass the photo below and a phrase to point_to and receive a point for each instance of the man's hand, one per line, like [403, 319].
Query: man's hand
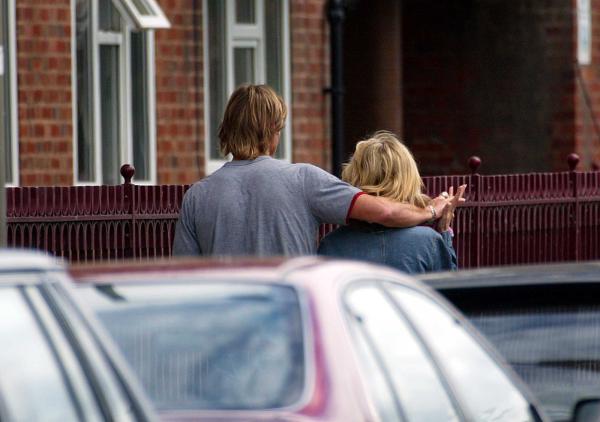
[439, 204]
[448, 214]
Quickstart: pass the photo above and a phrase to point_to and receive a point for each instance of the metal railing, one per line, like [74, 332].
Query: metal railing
[507, 219]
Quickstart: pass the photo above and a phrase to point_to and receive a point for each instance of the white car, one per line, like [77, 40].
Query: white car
[55, 362]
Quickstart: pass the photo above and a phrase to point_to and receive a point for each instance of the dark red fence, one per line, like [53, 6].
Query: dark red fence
[92, 223]
[507, 219]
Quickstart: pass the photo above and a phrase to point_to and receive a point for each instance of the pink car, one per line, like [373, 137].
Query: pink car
[299, 340]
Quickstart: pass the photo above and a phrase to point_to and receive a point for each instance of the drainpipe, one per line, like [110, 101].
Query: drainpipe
[2, 193]
[337, 14]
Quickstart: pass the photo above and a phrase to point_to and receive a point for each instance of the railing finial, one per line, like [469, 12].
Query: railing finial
[572, 161]
[474, 163]
[127, 171]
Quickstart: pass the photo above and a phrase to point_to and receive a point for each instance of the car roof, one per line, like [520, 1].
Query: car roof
[516, 275]
[235, 267]
[280, 270]
[25, 260]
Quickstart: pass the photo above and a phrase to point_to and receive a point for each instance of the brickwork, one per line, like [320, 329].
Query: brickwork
[587, 101]
[310, 75]
[180, 93]
[487, 77]
[492, 78]
[372, 70]
[43, 33]
[45, 105]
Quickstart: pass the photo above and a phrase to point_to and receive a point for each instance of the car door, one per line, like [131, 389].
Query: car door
[424, 362]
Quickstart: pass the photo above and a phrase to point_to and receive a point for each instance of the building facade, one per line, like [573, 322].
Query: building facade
[514, 82]
[88, 85]
[93, 84]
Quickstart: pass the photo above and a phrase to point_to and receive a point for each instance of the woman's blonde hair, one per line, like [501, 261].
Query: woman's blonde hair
[383, 166]
[254, 113]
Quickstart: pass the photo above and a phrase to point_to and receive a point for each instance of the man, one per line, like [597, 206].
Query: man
[257, 205]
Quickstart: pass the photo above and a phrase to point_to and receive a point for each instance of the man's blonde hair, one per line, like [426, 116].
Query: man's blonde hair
[254, 113]
[383, 166]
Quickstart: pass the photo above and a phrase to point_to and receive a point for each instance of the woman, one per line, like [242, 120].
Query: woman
[383, 166]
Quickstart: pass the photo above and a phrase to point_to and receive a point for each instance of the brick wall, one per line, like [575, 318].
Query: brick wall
[489, 77]
[44, 92]
[587, 100]
[372, 69]
[310, 75]
[180, 94]
[486, 77]
[45, 110]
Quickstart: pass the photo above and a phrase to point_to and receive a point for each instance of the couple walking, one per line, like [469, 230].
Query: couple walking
[257, 205]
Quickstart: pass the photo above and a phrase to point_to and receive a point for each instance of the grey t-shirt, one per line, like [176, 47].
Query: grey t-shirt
[260, 207]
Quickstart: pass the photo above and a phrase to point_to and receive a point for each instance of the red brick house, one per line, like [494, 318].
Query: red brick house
[91, 84]
[150, 78]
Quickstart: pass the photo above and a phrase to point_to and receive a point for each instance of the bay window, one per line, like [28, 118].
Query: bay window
[115, 110]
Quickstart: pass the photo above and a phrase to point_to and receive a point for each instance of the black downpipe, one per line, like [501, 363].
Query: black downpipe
[337, 14]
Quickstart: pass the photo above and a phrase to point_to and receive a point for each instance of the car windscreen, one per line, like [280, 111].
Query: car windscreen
[550, 334]
[209, 346]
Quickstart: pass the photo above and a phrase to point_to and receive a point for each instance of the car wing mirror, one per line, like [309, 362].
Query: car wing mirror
[587, 410]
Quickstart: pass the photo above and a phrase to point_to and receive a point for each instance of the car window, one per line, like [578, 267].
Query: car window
[484, 387]
[555, 349]
[403, 362]
[32, 385]
[212, 346]
[549, 333]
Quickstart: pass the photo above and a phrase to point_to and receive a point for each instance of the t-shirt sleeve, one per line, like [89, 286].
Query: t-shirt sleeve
[329, 198]
[186, 242]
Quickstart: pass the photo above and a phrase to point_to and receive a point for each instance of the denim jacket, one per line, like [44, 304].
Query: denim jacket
[412, 250]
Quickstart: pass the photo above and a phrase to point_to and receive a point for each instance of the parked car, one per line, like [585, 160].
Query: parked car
[55, 363]
[304, 339]
[544, 319]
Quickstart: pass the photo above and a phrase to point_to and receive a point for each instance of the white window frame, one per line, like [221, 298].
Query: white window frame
[13, 92]
[247, 35]
[125, 127]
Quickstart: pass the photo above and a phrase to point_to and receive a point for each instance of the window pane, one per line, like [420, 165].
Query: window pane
[85, 128]
[486, 389]
[109, 104]
[31, 383]
[210, 346]
[109, 18]
[142, 7]
[139, 106]
[411, 373]
[5, 119]
[244, 11]
[555, 349]
[274, 44]
[274, 55]
[243, 62]
[217, 79]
